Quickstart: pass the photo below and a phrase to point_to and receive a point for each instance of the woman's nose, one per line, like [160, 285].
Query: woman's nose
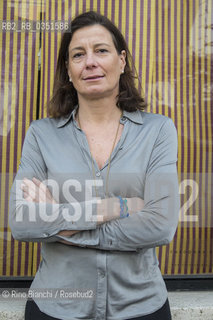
[91, 60]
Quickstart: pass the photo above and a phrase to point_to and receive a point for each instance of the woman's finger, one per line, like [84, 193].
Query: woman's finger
[37, 191]
[28, 182]
[39, 184]
[27, 197]
[45, 193]
[31, 189]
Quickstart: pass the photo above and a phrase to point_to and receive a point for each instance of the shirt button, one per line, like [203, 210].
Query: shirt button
[98, 174]
[102, 274]
[46, 234]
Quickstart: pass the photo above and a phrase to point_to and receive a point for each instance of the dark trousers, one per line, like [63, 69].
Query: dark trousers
[32, 312]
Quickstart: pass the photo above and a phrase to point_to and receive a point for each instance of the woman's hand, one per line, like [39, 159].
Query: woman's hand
[135, 204]
[109, 209]
[68, 233]
[36, 191]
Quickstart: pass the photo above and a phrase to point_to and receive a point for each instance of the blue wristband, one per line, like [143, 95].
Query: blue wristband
[124, 208]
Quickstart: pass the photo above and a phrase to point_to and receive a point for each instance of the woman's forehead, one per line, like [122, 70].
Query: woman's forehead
[91, 34]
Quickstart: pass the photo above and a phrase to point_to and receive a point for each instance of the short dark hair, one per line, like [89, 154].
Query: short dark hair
[65, 98]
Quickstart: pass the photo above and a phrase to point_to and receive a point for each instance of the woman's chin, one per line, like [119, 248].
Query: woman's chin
[96, 94]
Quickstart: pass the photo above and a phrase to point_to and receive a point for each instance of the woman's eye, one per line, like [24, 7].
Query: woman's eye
[77, 55]
[102, 50]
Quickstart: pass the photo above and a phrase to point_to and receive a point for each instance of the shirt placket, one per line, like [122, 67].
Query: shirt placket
[101, 298]
[101, 256]
[101, 293]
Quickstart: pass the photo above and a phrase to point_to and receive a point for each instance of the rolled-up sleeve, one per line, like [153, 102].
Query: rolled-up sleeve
[156, 224]
[30, 221]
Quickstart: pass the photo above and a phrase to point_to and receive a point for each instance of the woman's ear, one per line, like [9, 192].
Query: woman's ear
[123, 59]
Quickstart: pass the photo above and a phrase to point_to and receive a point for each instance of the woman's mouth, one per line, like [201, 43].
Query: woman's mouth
[93, 78]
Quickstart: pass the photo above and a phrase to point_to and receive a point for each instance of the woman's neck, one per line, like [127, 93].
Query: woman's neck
[98, 112]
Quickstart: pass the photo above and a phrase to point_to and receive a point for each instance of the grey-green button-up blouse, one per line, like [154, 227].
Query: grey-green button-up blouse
[115, 261]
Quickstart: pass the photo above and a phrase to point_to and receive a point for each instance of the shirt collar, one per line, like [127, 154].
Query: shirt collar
[64, 120]
[136, 117]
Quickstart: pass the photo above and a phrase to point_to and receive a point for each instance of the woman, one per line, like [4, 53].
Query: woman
[98, 143]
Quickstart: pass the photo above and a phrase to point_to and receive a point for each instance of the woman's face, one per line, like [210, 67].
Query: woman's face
[94, 64]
